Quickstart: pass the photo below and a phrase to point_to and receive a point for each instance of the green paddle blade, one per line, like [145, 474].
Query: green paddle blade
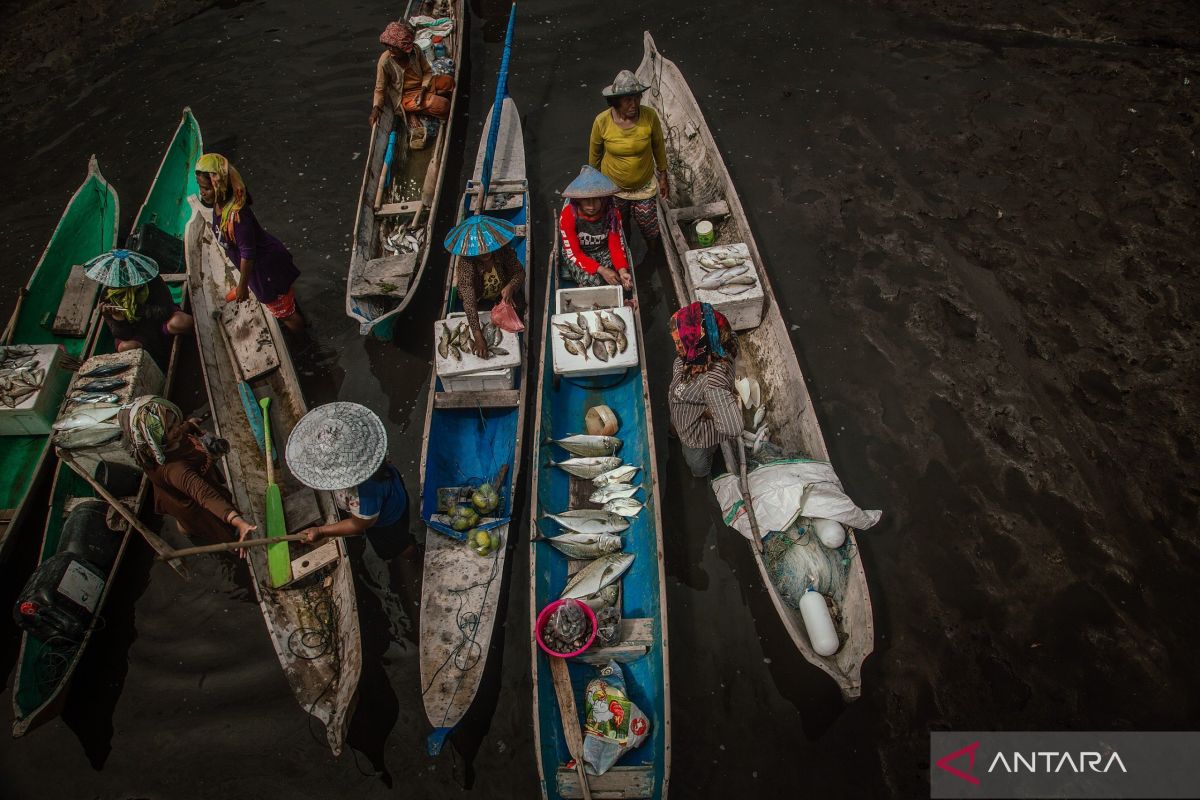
[279, 560]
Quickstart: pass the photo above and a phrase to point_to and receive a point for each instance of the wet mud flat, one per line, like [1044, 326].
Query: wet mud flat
[980, 220]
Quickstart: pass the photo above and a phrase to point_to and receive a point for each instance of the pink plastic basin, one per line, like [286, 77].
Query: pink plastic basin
[544, 615]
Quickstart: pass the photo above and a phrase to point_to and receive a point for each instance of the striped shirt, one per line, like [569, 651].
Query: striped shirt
[710, 392]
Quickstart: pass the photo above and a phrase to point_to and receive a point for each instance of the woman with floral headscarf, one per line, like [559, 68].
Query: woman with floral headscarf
[404, 79]
[264, 265]
[702, 398]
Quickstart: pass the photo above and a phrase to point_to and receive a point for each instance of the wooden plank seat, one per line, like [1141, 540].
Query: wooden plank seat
[495, 398]
[411, 208]
[617, 783]
[637, 637]
[75, 308]
[390, 276]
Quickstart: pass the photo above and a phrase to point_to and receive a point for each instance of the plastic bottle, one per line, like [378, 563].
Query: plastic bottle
[439, 49]
[818, 623]
[831, 533]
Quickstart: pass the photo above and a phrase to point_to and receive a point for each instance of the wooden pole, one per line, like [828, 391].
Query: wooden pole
[747, 500]
[570, 720]
[160, 546]
[223, 547]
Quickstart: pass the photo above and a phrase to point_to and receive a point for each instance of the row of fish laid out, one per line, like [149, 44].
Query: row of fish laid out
[754, 414]
[728, 271]
[452, 343]
[91, 424]
[604, 341]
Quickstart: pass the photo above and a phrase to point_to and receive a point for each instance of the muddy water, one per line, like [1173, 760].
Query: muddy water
[983, 231]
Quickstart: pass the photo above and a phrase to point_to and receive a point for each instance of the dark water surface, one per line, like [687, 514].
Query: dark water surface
[983, 231]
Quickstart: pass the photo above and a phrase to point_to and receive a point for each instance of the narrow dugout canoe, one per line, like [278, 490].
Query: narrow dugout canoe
[160, 222]
[767, 353]
[87, 228]
[312, 622]
[380, 284]
[643, 652]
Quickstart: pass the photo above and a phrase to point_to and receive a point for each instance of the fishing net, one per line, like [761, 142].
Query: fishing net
[797, 561]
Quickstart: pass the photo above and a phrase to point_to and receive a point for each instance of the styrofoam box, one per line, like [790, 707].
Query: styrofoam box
[37, 412]
[588, 297]
[568, 364]
[745, 310]
[144, 377]
[474, 373]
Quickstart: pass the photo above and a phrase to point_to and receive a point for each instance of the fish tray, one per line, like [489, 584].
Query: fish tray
[498, 372]
[744, 311]
[35, 414]
[576, 366]
[568, 301]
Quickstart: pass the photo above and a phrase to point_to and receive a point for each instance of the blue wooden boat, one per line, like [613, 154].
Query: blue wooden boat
[562, 404]
[470, 436]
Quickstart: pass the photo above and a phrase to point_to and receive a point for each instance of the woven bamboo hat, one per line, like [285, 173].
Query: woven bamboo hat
[591, 182]
[625, 83]
[120, 269]
[336, 446]
[479, 234]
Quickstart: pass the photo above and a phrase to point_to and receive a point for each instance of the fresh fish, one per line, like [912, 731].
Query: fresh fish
[733, 272]
[613, 491]
[582, 545]
[587, 467]
[571, 335]
[590, 520]
[454, 351]
[14, 397]
[581, 321]
[731, 261]
[606, 597]
[599, 350]
[611, 347]
[604, 336]
[740, 280]
[617, 474]
[734, 289]
[759, 414]
[602, 572]
[87, 398]
[711, 281]
[606, 322]
[443, 346]
[584, 445]
[625, 506]
[103, 385]
[498, 351]
[88, 437]
[497, 336]
[569, 327]
[571, 347]
[622, 343]
[87, 417]
[105, 371]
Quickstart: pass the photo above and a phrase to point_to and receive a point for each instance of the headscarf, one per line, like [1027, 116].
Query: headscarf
[129, 299]
[150, 418]
[702, 334]
[397, 34]
[228, 187]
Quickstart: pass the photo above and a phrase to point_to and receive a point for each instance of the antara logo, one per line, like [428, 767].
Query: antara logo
[1037, 761]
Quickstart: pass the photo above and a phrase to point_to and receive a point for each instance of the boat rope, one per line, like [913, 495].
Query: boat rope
[54, 661]
[317, 637]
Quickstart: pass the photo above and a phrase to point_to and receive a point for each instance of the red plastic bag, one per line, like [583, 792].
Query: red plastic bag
[504, 315]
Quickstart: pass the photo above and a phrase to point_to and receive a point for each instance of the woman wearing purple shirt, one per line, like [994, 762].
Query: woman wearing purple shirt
[264, 265]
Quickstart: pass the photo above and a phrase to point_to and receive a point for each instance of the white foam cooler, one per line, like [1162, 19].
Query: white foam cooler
[475, 374]
[744, 311]
[36, 412]
[567, 364]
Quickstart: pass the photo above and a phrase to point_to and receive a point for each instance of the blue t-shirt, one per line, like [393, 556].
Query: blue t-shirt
[381, 501]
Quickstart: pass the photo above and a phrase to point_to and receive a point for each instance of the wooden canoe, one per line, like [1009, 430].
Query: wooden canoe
[313, 622]
[561, 405]
[380, 284]
[44, 673]
[471, 435]
[87, 228]
[766, 351]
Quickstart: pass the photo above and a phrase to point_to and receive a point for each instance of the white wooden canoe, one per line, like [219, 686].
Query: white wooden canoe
[313, 622]
[380, 285]
[766, 351]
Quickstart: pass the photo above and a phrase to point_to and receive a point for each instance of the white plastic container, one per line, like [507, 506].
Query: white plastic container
[821, 633]
[473, 373]
[831, 533]
[744, 311]
[586, 298]
[567, 364]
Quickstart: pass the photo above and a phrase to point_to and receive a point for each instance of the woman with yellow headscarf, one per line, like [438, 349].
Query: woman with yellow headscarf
[265, 266]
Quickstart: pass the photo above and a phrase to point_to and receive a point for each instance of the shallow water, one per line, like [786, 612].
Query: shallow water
[984, 240]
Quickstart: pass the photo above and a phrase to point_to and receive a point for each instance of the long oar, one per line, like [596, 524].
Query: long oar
[570, 720]
[154, 540]
[225, 547]
[279, 559]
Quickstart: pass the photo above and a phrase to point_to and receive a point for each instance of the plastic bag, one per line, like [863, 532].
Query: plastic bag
[615, 725]
[504, 315]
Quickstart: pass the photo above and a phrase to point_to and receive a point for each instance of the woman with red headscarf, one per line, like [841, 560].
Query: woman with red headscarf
[702, 398]
[404, 78]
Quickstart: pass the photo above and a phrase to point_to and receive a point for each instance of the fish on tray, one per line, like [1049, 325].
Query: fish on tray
[87, 398]
[105, 371]
[93, 436]
[600, 573]
[586, 445]
[582, 545]
[88, 416]
[590, 467]
[103, 385]
[590, 520]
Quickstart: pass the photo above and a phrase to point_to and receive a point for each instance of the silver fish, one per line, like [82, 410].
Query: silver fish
[88, 437]
[625, 506]
[589, 467]
[571, 347]
[602, 572]
[607, 596]
[105, 371]
[617, 474]
[87, 417]
[443, 346]
[599, 350]
[612, 322]
[103, 385]
[735, 289]
[585, 445]
[613, 491]
[590, 520]
[582, 545]
[87, 398]
[740, 280]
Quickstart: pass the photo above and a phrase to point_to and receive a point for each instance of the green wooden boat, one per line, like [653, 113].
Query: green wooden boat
[87, 228]
[44, 671]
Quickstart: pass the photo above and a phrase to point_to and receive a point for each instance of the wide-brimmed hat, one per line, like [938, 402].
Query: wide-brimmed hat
[479, 234]
[336, 446]
[120, 269]
[591, 182]
[396, 34]
[626, 83]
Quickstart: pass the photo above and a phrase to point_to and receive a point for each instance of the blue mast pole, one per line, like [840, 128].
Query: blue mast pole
[485, 176]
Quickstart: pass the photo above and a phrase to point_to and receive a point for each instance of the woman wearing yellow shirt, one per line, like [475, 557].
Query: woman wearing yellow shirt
[627, 146]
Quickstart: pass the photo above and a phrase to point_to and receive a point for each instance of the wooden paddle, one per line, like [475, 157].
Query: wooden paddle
[279, 559]
[154, 540]
[570, 720]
